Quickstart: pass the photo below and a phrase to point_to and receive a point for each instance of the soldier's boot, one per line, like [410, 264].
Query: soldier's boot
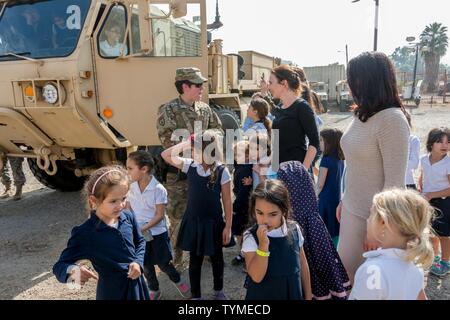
[5, 193]
[18, 194]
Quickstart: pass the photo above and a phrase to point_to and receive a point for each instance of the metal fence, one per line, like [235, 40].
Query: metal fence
[406, 78]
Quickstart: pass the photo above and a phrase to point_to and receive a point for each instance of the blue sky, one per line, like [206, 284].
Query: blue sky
[311, 32]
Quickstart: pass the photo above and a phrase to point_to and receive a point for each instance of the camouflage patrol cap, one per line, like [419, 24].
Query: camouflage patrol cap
[190, 74]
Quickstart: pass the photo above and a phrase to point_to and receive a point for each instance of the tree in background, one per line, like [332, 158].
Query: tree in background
[404, 59]
[435, 39]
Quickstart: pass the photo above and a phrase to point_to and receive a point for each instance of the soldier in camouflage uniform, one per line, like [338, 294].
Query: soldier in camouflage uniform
[181, 113]
[18, 176]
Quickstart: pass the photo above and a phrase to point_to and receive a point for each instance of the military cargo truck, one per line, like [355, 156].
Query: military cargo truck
[344, 99]
[81, 80]
[321, 88]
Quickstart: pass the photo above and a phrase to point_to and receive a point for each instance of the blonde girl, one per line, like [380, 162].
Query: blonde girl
[400, 223]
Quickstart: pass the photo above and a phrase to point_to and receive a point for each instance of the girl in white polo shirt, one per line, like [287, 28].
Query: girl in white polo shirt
[148, 198]
[434, 184]
[399, 222]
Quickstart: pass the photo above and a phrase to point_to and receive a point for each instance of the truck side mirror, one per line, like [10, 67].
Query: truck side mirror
[178, 8]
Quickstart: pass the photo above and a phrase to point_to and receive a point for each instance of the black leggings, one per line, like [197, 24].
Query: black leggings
[167, 268]
[195, 272]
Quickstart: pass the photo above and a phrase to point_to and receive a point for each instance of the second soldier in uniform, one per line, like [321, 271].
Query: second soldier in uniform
[181, 113]
[18, 177]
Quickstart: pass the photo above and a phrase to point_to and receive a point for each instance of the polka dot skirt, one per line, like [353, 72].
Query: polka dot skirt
[329, 280]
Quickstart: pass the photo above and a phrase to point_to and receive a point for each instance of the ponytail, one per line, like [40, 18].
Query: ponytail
[420, 251]
[411, 215]
[262, 108]
[268, 125]
[213, 177]
[307, 95]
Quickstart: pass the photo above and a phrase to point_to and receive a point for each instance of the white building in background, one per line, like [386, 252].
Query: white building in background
[330, 75]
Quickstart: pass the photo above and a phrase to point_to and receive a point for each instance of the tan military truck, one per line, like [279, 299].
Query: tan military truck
[81, 80]
[344, 98]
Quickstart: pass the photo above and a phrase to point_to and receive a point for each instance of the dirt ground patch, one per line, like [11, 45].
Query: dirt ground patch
[35, 230]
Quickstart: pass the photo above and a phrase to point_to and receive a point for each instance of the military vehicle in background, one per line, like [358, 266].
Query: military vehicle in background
[443, 88]
[81, 80]
[321, 88]
[410, 97]
[344, 99]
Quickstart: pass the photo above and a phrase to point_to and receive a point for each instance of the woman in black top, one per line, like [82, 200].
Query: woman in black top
[294, 120]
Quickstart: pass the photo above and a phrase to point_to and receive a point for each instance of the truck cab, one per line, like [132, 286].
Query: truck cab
[81, 80]
[343, 97]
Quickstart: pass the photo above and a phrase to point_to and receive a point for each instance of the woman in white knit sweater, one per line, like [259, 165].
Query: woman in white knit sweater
[376, 150]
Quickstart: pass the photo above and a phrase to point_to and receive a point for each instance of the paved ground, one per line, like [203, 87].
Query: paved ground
[35, 230]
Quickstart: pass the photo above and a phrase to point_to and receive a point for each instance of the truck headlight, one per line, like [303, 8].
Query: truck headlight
[50, 93]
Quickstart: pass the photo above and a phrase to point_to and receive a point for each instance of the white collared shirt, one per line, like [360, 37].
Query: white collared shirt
[187, 162]
[249, 243]
[386, 275]
[144, 204]
[435, 177]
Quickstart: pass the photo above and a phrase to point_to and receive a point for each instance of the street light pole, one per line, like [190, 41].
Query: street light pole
[375, 41]
[415, 71]
[377, 9]
[419, 47]
[346, 55]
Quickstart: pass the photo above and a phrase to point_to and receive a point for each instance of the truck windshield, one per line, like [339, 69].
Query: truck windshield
[41, 29]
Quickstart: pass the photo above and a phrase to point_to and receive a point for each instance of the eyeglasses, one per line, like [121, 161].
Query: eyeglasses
[198, 85]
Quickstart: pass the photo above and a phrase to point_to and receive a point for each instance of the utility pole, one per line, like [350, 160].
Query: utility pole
[415, 71]
[346, 55]
[375, 41]
[377, 7]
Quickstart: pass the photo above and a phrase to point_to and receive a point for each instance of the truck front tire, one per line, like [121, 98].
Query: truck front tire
[227, 116]
[64, 179]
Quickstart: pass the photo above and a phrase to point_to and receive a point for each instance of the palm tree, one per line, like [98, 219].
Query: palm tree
[435, 39]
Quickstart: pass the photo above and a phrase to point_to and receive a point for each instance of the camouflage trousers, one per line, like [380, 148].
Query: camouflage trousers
[17, 172]
[177, 194]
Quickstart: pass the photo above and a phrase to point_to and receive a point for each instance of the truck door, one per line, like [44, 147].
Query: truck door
[132, 84]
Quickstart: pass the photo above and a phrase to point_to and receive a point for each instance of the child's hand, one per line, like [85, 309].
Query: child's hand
[83, 274]
[264, 86]
[134, 271]
[247, 181]
[261, 233]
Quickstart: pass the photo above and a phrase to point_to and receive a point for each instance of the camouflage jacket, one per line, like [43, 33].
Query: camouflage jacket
[177, 115]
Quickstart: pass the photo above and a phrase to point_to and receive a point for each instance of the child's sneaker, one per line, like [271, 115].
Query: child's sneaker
[219, 295]
[183, 289]
[155, 295]
[440, 269]
[237, 260]
[437, 259]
